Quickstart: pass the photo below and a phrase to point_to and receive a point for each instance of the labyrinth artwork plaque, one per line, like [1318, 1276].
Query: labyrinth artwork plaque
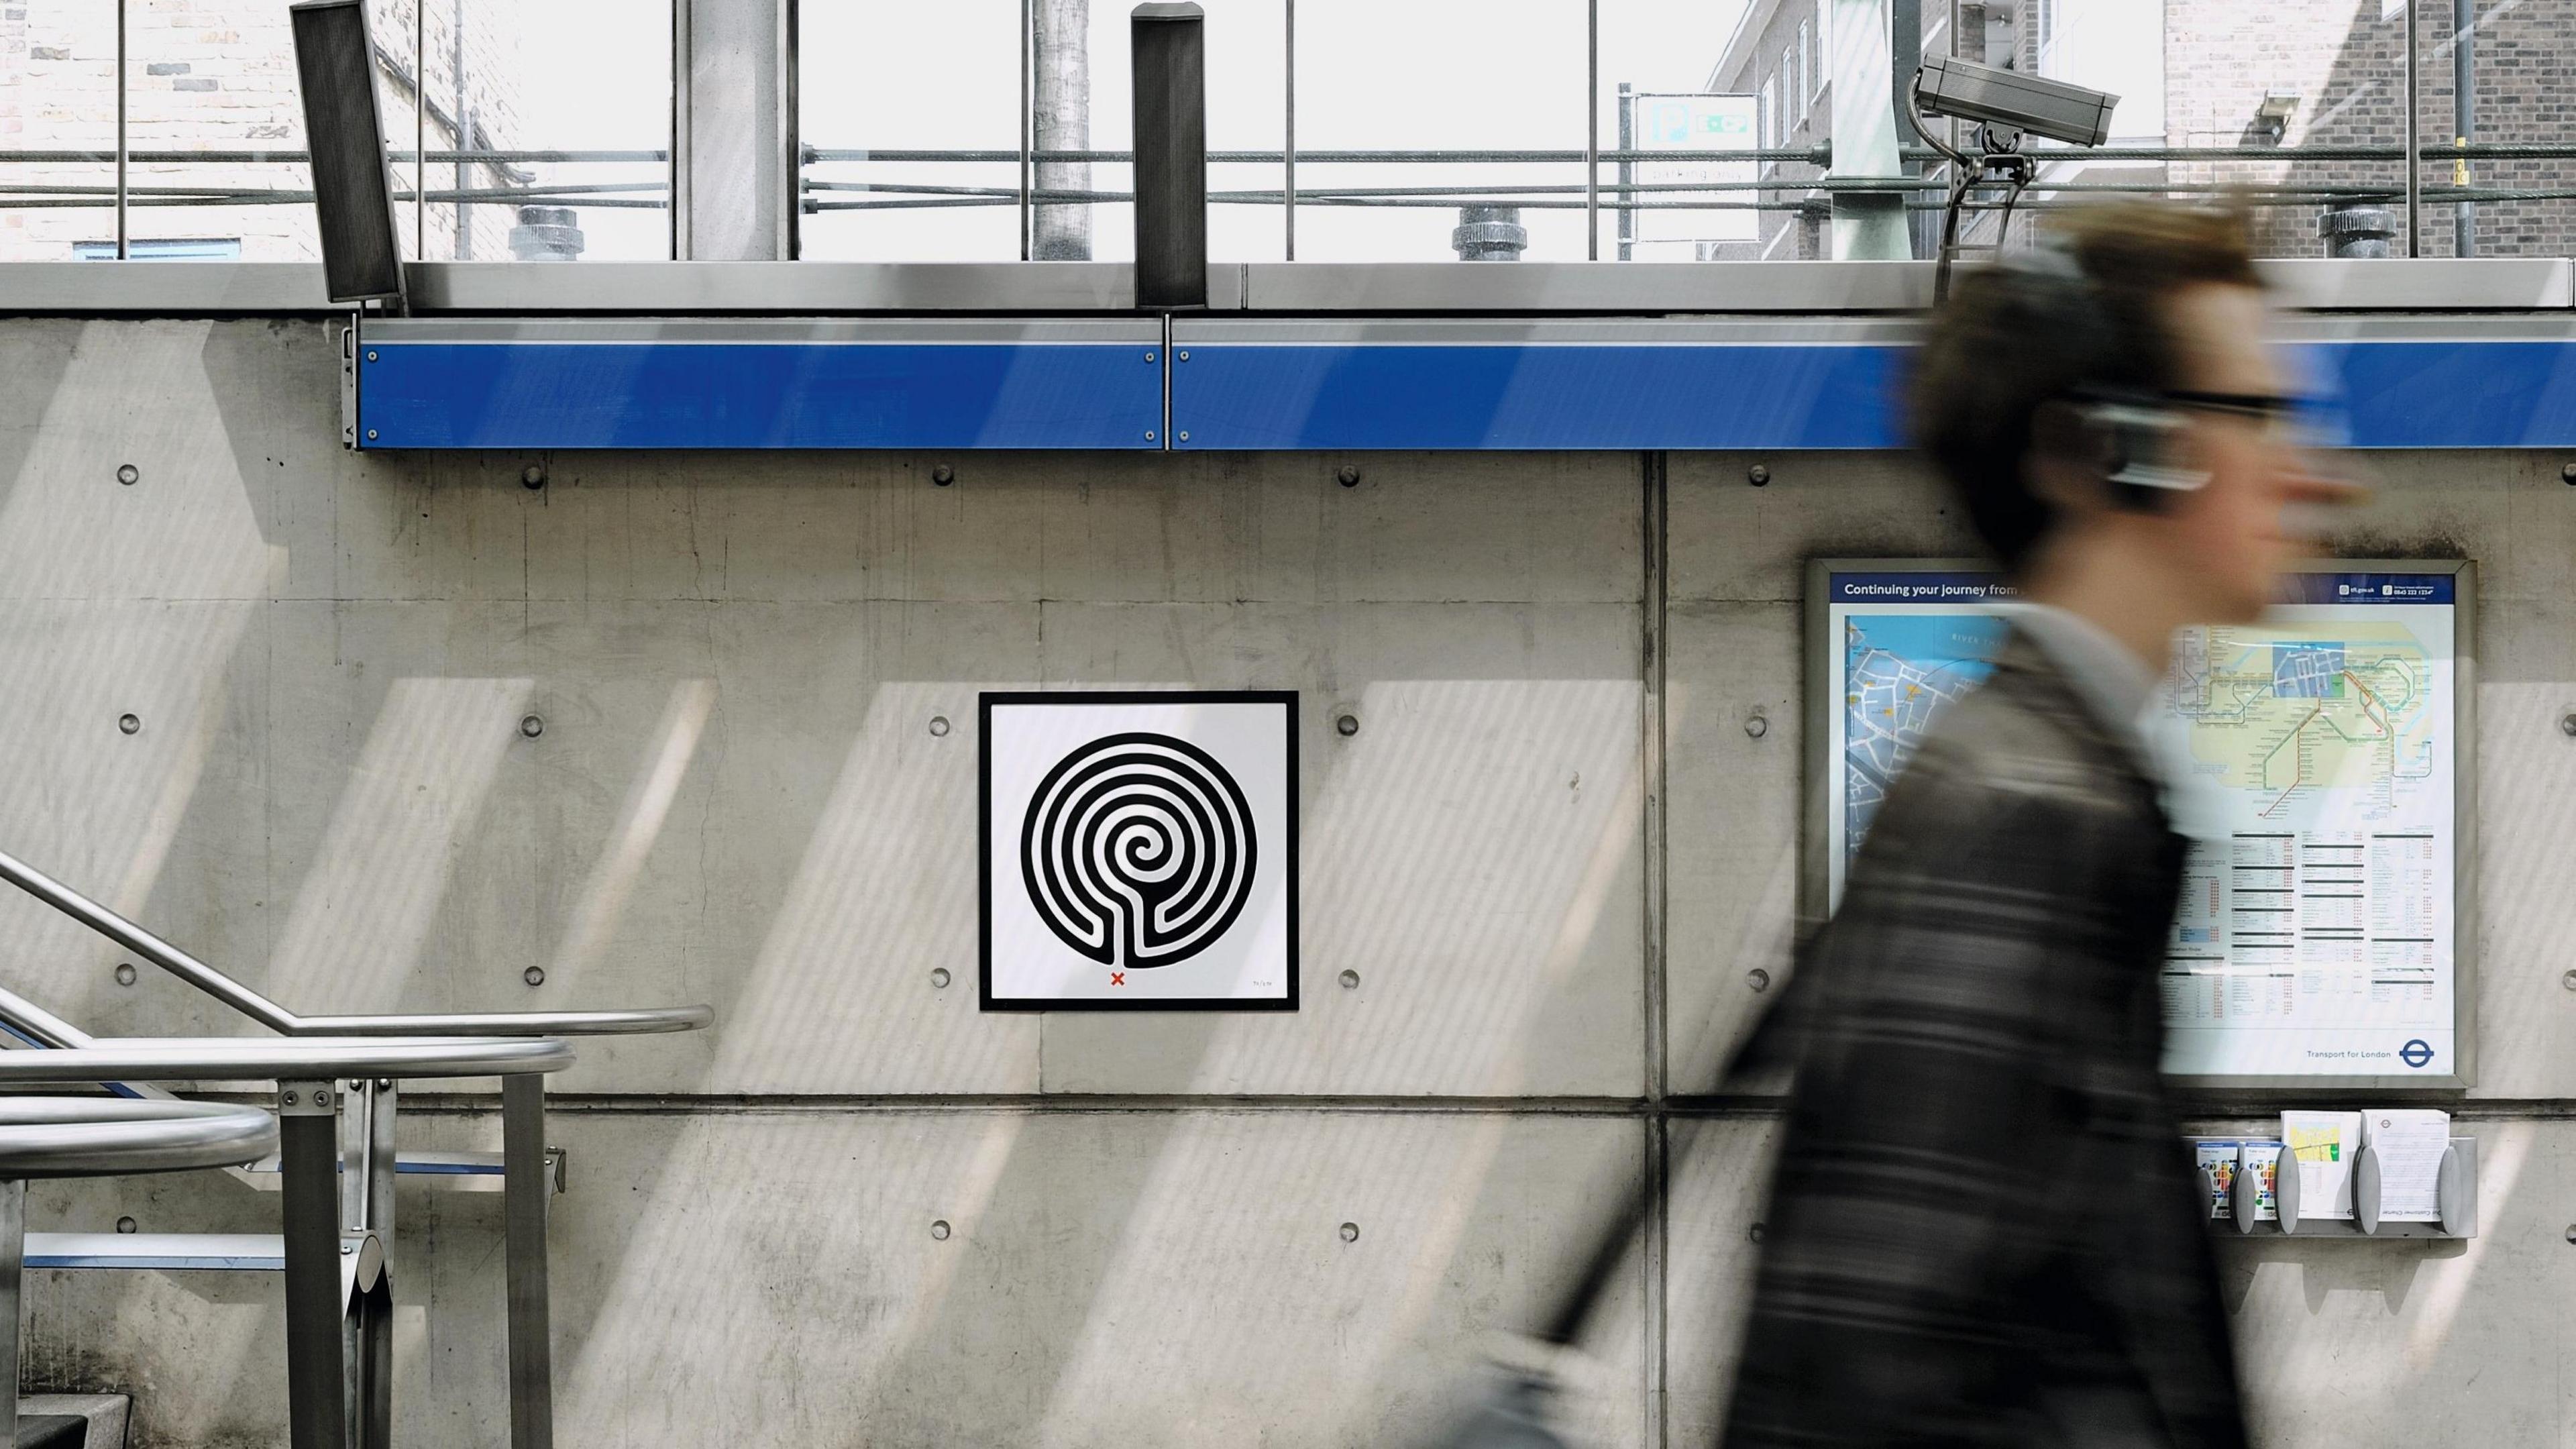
[1139, 851]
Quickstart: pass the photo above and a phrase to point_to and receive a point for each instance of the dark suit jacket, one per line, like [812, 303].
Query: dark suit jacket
[1984, 1229]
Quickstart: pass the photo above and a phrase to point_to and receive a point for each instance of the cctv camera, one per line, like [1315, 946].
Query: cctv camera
[2009, 102]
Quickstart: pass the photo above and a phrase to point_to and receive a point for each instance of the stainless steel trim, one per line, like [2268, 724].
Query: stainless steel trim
[33, 1020]
[677, 288]
[1588, 287]
[2430, 284]
[1143, 332]
[633, 1021]
[668, 289]
[110, 1137]
[238, 1059]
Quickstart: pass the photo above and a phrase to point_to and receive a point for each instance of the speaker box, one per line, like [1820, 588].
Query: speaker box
[353, 184]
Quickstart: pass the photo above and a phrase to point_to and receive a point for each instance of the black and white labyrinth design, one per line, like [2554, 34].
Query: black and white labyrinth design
[1139, 850]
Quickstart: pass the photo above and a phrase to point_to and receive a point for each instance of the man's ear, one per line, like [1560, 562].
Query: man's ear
[2066, 462]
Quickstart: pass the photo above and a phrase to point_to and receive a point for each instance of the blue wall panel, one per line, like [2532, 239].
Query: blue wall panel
[757, 395]
[2503, 394]
[1554, 396]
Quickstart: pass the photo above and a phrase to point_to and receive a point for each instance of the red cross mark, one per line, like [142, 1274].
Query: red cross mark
[1117, 978]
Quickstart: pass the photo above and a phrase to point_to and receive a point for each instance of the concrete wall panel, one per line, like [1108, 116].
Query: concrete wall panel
[736, 796]
[774, 1278]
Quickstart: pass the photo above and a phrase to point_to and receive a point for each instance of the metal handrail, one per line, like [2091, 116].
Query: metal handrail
[248, 1059]
[107, 1136]
[627, 1022]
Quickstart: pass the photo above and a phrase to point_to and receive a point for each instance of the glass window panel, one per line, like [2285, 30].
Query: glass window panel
[212, 108]
[2346, 70]
[58, 125]
[1429, 79]
[1246, 77]
[1669, 49]
[549, 129]
[392, 28]
[879, 85]
[2521, 57]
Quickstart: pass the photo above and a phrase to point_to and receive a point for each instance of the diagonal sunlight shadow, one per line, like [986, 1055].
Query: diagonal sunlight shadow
[648, 804]
[125, 599]
[1470, 863]
[368, 901]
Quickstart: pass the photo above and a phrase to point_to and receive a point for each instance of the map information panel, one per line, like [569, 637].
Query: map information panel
[2311, 758]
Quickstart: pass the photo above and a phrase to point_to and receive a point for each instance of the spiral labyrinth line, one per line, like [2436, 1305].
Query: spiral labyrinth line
[1138, 850]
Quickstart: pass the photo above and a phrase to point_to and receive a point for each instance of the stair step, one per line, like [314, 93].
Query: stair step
[221, 1252]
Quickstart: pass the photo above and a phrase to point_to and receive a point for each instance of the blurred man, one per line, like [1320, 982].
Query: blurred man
[1984, 1229]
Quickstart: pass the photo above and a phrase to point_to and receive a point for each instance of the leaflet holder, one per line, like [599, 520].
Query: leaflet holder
[2455, 1195]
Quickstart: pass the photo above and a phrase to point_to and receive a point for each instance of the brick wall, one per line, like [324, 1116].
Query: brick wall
[2345, 65]
[219, 76]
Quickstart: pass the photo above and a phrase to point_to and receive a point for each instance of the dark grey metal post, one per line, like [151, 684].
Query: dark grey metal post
[1288, 148]
[13, 1260]
[1627, 202]
[523, 1183]
[367, 1158]
[309, 1169]
[2464, 119]
[2414, 146]
[1169, 41]
[1905, 56]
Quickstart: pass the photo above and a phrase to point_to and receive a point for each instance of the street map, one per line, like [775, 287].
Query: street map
[2310, 758]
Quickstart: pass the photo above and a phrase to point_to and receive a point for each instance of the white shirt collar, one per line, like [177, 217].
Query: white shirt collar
[2114, 683]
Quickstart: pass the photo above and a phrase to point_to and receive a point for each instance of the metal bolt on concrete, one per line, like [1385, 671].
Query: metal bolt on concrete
[534, 976]
[943, 475]
[126, 1225]
[1758, 979]
[1347, 725]
[1350, 1232]
[130, 723]
[939, 978]
[128, 474]
[532, 726]
[1757, 475]
[939, 1230]
[1348, 476]
[1350, 980]
[124, 973]
[533, 476]
[939, 726]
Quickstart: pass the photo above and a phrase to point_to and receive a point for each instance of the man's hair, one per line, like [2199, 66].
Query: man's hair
[2015, 338]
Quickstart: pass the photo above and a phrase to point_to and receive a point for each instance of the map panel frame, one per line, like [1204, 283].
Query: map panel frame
[1822, 786]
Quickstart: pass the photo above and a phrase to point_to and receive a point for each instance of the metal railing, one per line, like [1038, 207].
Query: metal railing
[1773, 193]
[44, 1137]
[277, 1018]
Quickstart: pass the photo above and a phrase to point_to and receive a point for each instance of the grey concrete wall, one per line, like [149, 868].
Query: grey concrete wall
[736, 797]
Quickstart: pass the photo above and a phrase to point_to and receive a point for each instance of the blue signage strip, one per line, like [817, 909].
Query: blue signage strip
[1550, 396]
[2504, 394]
[840, 394]
[2372, 589]
[702, 383]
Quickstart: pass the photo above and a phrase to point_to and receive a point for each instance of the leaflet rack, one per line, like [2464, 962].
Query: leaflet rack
[2456, 1192]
